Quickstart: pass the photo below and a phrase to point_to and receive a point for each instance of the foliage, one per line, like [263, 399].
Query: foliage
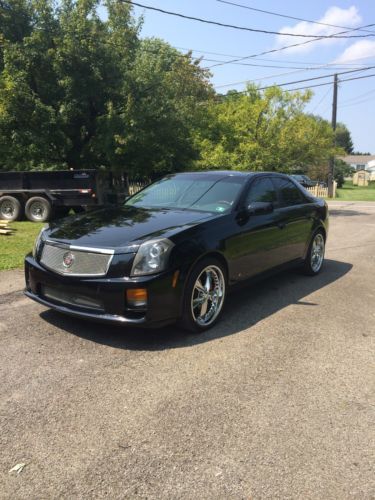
[264, 132]
[344, 138]
[59, 77]
[78, 90]
[341, 171]
[154, 132]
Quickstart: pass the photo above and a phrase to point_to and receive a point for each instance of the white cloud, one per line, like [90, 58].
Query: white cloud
[334, 15]
[361, 50]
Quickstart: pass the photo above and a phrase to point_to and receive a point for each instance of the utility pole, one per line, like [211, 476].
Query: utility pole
[332, 159]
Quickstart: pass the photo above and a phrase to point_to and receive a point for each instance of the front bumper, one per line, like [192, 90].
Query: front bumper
[163, 306]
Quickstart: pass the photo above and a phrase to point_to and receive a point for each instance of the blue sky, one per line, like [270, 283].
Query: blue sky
[356, 99]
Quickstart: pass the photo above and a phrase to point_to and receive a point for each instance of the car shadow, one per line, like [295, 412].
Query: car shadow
[244, 308]
[337, 212]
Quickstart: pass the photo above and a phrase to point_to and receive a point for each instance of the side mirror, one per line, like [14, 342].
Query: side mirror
[259, 207]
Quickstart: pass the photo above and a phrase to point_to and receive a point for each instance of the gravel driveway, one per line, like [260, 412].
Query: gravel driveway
[277, 401]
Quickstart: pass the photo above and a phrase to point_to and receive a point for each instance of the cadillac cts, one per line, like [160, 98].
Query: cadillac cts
[174, 250]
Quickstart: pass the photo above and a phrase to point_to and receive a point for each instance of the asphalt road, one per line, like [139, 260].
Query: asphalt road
[277, 401]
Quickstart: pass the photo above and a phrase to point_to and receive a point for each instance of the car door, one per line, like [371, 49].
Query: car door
[296, 218]
[254, 248]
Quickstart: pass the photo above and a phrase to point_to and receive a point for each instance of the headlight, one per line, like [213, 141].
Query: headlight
[38, 241]
[152, 257]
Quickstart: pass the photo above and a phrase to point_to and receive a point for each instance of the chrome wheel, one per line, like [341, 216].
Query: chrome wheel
[7, 209]
[208, 295]
[317, 252]
[38, 210]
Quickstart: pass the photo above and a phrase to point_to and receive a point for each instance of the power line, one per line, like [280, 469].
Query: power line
[359, 96]
[282, 48]
[320, 84]
[300, 81]
[308, 86]
[257, 79]
[318, 78]
[267, 60]
[285, 16]
[357, 103]
[323, 66]
[321, 100]
[233, 26]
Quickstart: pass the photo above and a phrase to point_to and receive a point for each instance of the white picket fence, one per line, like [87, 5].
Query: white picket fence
[322, 192]
[135, 186]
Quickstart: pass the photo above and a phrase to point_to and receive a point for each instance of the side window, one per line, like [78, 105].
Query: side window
[261, 190]
[290, 194]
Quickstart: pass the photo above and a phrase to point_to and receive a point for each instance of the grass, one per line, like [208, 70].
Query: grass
[356, 193]
[13, 248]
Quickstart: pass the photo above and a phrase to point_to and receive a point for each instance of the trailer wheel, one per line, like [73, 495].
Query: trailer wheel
[10, 208]
[38, 209]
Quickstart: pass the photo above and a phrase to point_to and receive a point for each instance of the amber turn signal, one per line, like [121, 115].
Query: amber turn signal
[136, 297]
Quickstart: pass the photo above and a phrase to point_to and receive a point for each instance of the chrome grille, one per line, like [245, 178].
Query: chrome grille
[76, 261]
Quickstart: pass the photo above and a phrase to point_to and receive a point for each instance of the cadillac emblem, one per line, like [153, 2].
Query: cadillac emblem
[68, 260]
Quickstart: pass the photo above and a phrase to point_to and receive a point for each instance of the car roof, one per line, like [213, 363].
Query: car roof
[232, 173]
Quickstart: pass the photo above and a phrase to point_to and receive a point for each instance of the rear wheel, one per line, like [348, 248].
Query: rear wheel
[10, 208]
[315, 255]
[38, 209]
[204, 296]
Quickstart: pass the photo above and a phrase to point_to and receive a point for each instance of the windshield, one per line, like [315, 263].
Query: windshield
[196, 192]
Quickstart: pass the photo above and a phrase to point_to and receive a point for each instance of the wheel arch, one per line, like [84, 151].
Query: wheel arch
[318, 228]
[215, 254]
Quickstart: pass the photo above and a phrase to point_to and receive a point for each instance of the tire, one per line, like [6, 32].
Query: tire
[315, 255]
[38, 209]
[194, 319]
[10, 208]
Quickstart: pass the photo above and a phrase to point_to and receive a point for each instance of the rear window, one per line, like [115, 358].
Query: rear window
[261, 190]
[290, 193]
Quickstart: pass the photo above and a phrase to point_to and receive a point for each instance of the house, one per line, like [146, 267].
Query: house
[371, 168]
[360, 162]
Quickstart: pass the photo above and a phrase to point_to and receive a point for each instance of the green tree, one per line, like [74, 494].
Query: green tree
[344, 138]
[264, 132]
[341, 171]
[154, 130]
[58, 80]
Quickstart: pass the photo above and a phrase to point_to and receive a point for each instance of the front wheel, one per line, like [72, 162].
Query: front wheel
[204, 296]
[315, 255]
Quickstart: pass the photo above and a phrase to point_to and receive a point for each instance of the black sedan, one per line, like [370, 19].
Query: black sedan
[174, 250]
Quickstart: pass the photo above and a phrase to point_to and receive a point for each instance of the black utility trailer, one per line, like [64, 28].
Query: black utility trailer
[41, 195]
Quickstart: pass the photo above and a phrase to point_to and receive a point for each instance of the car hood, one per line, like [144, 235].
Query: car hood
[122, 228]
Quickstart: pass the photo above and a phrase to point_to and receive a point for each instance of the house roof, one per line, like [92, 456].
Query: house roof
[357, 159]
